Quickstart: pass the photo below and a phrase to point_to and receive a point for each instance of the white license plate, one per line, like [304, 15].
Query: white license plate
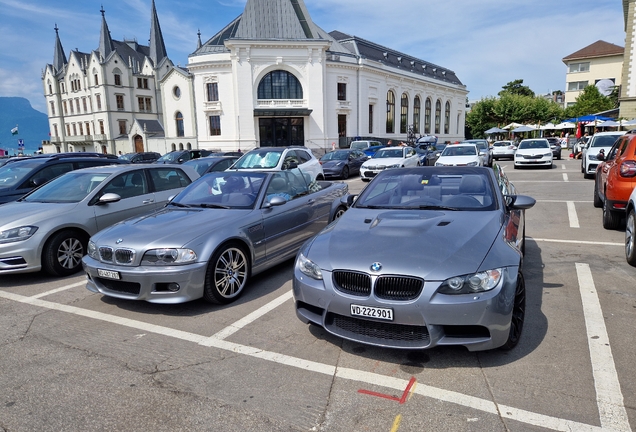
[372, 312]
[108, 274]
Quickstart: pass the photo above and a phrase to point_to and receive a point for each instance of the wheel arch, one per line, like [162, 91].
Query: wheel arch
[44, 244]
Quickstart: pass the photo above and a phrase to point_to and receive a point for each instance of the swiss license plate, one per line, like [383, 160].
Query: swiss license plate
[108, 274]
[372, 312]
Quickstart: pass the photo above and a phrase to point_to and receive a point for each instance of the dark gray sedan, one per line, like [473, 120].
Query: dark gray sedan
[209, 240]
[424, 257]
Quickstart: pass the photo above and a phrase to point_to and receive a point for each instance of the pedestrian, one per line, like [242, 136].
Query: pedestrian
[389, 143]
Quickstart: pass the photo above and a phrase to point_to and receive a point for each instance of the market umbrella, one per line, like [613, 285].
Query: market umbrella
[512, 125]
[548, 126]
[629, 123]
[523, 129]
[493, 130]
[565, 125]
[608, 123]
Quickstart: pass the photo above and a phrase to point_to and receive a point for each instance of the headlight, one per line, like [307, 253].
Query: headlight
[92, 250]
[471, 164]
[309, 268]
[168, 257]
[548, 154]
[591, 157]
[17, 234]
[474, 283]
[439, 164]
[394, 166]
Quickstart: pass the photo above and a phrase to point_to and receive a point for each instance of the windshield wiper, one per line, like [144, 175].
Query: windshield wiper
[209, 205]
[176, 204]
[436, 207]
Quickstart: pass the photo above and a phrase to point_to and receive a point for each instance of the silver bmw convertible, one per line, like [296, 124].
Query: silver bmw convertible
[214, 235]
[423, 257]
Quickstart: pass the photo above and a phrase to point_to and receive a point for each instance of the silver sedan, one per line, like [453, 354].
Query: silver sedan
[212, 237]
[49, 228]
[424, 257]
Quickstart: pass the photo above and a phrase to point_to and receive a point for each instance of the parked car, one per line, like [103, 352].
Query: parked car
[434, 154]
[212, 237]
[555, 146]
[279, 159]
[533, 152]
[370, 151]
[630, 230]
[615, 180]
[368, 278]
[342, 163]
[141, 157]
[208, 164]
[363, 144]
[485, 151]
[388, 157]
[460, 155]
[50, 227]
[20, 177]
[600, 141]
[503, 149]
[181, 156]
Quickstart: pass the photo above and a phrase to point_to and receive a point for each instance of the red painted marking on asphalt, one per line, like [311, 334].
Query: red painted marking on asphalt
[393, 398]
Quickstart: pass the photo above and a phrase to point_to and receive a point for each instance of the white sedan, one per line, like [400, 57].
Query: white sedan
[460, 155]
[389, 157]
[533, 152]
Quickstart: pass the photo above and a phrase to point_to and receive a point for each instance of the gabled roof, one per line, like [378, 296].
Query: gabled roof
[396, 59]
[597, 49]
[151, 127]
[275, 19]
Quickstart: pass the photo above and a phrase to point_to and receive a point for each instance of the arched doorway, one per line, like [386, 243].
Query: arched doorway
[139, 144]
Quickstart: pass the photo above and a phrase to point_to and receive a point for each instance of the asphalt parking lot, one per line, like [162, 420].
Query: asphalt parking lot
[76, 361]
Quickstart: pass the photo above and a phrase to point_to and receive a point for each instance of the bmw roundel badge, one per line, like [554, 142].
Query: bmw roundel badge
[376, 267]
[119, 240]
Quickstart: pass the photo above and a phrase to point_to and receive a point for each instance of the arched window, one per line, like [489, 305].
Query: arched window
[180, 146]
[438, 116]
[447, 118]
[179, 123]
[174, 146]
[280, 84]
[117, 76]
[427, 116]
[416, 114]
[390, 112]
[404, 113]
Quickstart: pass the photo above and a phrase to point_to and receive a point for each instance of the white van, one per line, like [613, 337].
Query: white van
[363, 145]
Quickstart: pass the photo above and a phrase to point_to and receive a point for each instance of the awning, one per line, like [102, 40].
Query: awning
[299, 112]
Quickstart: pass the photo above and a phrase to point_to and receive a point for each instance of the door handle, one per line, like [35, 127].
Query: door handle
[148, 201]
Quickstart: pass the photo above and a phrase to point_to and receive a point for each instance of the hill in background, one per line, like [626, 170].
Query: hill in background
[33, 125]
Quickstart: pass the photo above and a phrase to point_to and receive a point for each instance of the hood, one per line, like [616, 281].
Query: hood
[383, 161]
[15, 214]
[431, 244]
[458, 160]
[169, 227]
[333, 163]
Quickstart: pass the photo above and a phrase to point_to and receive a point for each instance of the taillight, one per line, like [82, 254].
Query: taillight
[628, 168]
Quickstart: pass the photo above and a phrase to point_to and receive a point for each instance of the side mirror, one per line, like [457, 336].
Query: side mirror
[348, 200]
[37, 182]
[275, 201]
[600, 156]
[520, 202]
[291, 165]
[108, 198]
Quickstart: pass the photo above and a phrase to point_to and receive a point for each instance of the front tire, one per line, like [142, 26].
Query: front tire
[518, 315]
[345, 173]
[611, 219]
[339, 212]
[227, 274]
[630, 238]
[597, 199]
[62, 254]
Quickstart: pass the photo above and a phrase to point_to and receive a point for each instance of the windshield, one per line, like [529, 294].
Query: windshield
[388, 153]
[258, 159]
[200, 165]
[222, 190]
[460, 151]
[335, 155]
[501, 144]
[435, 189]
[169, 157]
[604, 140]
[533, 144]
[359, 145]
[127, 156]
[71, 187]
[15, 173]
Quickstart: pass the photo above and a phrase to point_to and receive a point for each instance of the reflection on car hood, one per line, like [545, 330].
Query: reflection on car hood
[32, 213]
[434, 245]
[384, 161]
[458, 159]
[169, 227]
[331, 163]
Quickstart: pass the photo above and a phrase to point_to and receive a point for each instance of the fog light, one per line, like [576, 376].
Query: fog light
[174, 287]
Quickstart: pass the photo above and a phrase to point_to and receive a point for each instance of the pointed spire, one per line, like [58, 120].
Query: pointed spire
[199, 44]
[59, 58]
[157, 47]
[105, 42]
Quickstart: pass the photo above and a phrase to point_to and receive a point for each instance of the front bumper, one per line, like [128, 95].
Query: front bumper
[542, 161]
[149, 283]
[476, 321]
[21, 256]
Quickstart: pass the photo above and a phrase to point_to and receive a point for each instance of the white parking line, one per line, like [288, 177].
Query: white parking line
[57, 290]
[549, 181]
[565, 177]
[574, 219]
[562, 201]
[608, 388]
[583, 242]
[563, 166]
[484, 405]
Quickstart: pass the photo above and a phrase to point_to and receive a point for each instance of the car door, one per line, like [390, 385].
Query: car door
[167, 181]
[136, 198]
[288, 225]
[356, 160]
[609, 168]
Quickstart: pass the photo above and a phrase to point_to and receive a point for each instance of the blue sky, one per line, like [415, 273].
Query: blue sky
[486, 42]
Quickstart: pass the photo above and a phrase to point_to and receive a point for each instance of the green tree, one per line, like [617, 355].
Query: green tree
[590, 101]
[516, 87]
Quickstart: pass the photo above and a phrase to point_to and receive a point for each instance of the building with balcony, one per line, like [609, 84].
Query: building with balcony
[599, 64]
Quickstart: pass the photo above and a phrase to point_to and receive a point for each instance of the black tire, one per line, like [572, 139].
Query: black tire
[515, 166]
[586, 175]
[63, 252]
[518, 315]
[345, 173]
[597, 199]
[339, 212]
[611, 219]
[559, 156]
[630, 238]
[228, 273]
[523, 238]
